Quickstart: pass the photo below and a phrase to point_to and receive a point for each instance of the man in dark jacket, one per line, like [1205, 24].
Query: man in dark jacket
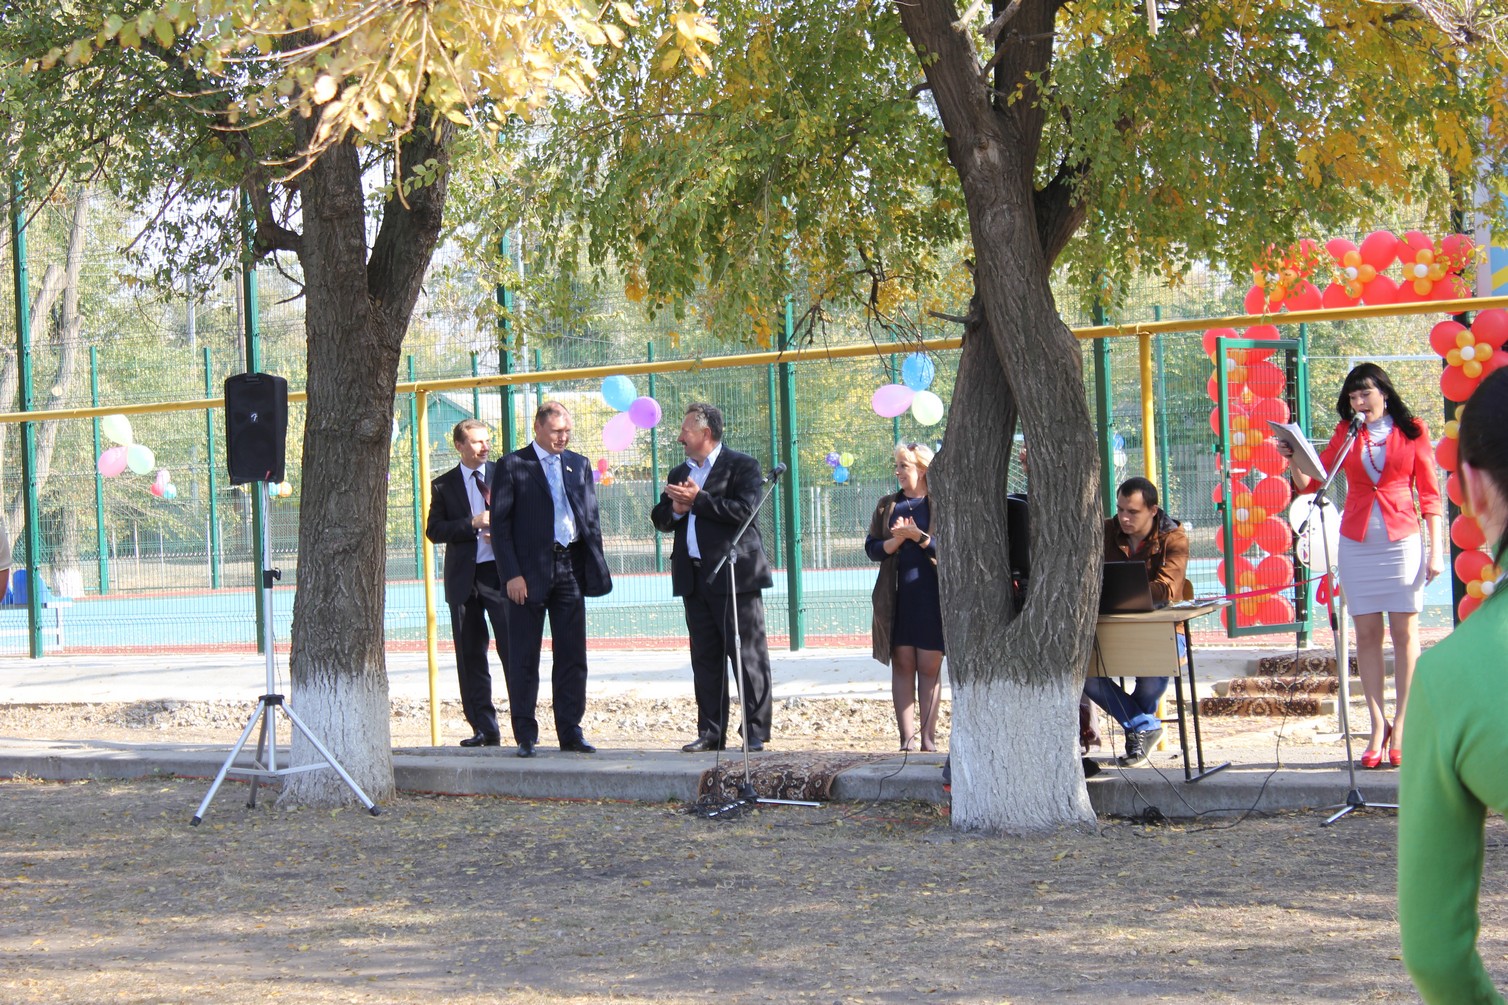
[458, 519]
[548, 540]
[704, 503]
[1141, 530]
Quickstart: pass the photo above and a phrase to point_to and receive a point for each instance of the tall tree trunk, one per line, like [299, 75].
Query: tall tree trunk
[356, 314]
[1016, 682]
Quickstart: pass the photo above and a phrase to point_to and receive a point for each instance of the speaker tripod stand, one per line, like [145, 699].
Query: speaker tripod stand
[265, 764]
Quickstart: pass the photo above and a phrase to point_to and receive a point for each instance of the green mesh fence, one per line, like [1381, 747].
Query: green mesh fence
[128, 569]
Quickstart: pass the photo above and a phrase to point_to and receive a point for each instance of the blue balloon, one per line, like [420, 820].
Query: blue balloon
[619, 392]
[840, 474]
[917, 371]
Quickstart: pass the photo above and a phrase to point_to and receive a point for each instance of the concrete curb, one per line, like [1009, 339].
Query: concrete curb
[655, 776]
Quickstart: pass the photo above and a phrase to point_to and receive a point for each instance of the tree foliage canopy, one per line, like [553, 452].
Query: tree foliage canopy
[811, 158]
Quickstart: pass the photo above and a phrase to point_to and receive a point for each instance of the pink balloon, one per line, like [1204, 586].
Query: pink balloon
[1305, 298]
[618, 434]
[645, 412]
[112, 462]
[162, 478]
[891, 400]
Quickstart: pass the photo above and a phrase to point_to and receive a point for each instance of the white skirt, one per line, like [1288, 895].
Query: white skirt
[1378, 575]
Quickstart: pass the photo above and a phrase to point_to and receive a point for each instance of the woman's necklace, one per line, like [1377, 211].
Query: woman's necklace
[1374, 461]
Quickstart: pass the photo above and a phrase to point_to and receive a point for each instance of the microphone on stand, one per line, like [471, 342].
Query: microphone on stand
[1357, 421]
[775, 473]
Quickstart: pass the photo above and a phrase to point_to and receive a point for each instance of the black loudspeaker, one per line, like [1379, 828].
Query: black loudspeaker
[256, 427]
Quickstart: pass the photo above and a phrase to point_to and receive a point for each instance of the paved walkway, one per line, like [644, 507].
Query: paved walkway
[1273, 765]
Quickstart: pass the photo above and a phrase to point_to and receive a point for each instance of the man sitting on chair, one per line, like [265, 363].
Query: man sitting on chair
[1142, 531]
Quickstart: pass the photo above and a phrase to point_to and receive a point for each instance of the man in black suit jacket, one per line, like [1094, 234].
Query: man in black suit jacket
[459, 518]
[548, 540]
[704, 503]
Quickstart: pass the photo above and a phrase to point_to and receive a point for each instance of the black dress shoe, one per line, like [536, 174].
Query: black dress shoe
[578, 746]
[526, 749]
[482, 740]
[756, 745]
[702, 743]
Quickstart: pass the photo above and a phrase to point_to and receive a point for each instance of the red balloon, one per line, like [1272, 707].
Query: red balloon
[1407, 294]
[1263, 332]
[1414, 242]
[1457, 249]
[1269, 410]
[1265, 380]
[1468, 605]
[1448, 455]
[1305, 298]
[1274, 536]
[1275, 611]
[1491, 327]
[1453, 492]
[1455, 385]
[1275, 570]
[1335, 295]
[1381, 290]
[1467, 533]
[1208, 341]
[1242, 566]
[1442, 337]
[1266, 459]
[1255, 301]
[1379, 249]
[1272, 494]
[1338, 246]
[1242, 544]
[1452, 287]
[1469, 564]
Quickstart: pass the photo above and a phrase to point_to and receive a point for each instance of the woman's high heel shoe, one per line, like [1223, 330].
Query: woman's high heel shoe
[1373, 758]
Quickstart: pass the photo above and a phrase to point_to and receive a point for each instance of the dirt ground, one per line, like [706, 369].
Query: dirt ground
[106, 895]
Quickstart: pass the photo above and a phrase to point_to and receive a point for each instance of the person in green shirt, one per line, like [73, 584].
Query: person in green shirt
[1457, 744]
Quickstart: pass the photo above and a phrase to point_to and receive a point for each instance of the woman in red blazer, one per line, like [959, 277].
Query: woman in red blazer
[1383, 565]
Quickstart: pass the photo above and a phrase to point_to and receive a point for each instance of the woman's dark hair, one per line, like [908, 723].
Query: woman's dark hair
[1484, 438]
[1371, 375]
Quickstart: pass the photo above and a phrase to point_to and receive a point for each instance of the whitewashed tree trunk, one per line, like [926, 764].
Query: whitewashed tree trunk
[1018, 676]
[1015, 756]
[358, 307]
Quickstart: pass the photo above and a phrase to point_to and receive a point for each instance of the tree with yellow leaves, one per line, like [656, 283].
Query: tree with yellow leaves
[338, 122]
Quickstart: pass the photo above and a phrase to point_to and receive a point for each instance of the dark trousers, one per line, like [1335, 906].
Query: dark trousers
[468, 629]
[566, 607]
[709, 622]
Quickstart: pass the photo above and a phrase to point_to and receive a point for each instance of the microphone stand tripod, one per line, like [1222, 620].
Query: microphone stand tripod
[1354, 799]
[264, 713]
[746, 795]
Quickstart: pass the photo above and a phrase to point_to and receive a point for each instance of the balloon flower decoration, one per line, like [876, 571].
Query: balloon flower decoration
[1253, 489]
[601, 475]
[1470, 354]
[840, 463]
[1429, 270]
[128, 454]
[917, 374]
[634, 413]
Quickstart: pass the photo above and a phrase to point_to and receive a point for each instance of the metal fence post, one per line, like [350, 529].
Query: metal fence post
[1102, 414]
[416, 445]
[28, 430]
[509, 430]
[777, 521]
[791, 490]
[214, 497]
[1163, 460]
[654, 462]
[101, 545]
[252, 318]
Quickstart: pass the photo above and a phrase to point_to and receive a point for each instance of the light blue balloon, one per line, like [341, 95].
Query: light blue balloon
[840, 474]
[917, 371]
[619, 392]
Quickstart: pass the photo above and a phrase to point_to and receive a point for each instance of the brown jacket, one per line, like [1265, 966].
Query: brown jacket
[886, 582]
[1166, 552]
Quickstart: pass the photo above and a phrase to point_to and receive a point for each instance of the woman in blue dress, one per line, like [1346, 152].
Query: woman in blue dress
[907, 627]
